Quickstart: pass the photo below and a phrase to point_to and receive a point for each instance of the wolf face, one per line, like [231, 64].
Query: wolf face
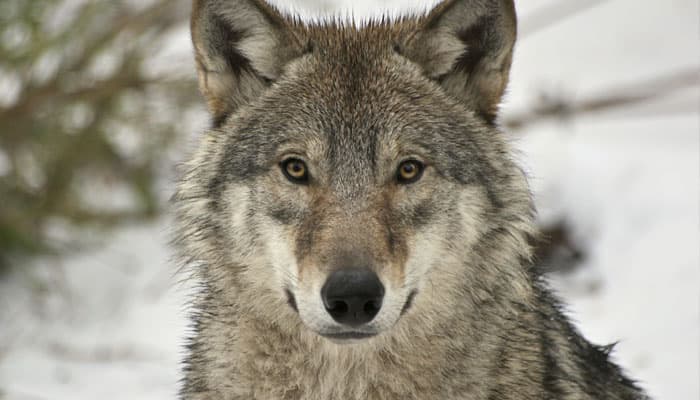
[352, 169]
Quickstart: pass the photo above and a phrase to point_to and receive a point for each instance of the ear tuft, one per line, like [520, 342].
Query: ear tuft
[240, 47]
[467, 46]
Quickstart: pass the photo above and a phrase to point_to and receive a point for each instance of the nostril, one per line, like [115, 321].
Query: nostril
[337, 307]
[371, 308]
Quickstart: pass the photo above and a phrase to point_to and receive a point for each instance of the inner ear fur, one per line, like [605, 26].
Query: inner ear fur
[240, 47]
[467, 47]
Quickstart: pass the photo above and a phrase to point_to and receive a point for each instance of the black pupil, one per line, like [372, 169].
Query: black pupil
[296, 168]
[409, 168]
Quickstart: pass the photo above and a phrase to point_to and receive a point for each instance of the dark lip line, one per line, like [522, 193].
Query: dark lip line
[291, 300]
[348, 335]
[409, 301]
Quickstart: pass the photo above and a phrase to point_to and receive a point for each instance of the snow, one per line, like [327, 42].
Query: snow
[109, 323]
[111, 326]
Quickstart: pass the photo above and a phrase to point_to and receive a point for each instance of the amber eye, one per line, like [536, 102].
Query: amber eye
[409, 171]
[295, 170]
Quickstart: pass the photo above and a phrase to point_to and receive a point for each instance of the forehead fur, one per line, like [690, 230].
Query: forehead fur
[354, 90]
[339, 37]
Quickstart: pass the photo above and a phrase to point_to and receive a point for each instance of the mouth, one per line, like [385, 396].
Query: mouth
[348, 336]
[352, 335]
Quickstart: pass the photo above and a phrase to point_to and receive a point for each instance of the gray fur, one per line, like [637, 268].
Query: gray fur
[353, 102]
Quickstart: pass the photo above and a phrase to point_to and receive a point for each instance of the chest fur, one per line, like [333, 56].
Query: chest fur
[299, 370]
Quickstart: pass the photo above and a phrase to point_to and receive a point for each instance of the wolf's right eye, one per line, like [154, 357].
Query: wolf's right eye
[295, 170]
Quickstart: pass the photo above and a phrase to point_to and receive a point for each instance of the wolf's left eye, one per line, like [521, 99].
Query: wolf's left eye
[295, 170]
[409, 171]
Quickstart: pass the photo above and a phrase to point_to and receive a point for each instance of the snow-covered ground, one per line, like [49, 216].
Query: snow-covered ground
[109, 323]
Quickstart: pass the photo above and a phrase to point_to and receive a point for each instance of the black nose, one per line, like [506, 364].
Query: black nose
[353, 296]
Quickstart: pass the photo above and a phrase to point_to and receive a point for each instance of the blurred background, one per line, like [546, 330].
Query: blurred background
[98, 103]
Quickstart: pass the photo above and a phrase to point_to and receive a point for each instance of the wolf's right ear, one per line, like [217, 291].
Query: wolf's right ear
[240, 47]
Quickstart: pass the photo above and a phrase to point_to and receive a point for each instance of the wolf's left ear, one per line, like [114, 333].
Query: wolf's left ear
[240, 47]
[467, 46]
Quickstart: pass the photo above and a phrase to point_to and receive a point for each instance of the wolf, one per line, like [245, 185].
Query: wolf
[356, 221]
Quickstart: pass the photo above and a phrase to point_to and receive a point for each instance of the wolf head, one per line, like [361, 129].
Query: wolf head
[354, 177]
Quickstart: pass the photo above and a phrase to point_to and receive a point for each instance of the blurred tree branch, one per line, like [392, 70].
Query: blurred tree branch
[608, 100]
[556, 250]
[91, 116]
